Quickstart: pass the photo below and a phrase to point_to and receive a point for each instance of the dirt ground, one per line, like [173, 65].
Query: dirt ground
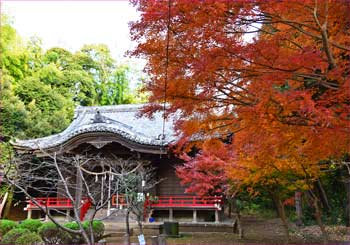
[260, 231]
[257, 231]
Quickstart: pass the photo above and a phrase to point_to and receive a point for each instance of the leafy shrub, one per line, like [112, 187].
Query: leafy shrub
[74, 238]
[308, 217]
[7, 225]
[72, 225]
[29, 238]
[97, 227]
[335, 216]
[31, 224]
[11, 236]
[50, 233]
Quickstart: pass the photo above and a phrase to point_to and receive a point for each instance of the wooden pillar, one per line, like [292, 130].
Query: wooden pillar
[67, 215]
[47, 215]
[29, 214]
[171, 215]
[217, 216]
[194, 216]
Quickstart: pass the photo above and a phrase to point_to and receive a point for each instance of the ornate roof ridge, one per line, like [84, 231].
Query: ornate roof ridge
[121, 120]
[108, 108]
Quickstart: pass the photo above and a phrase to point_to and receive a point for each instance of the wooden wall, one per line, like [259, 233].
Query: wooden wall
[171, 183]
[164, 164]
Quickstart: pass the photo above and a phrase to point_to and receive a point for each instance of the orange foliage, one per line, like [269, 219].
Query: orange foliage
[284, 94]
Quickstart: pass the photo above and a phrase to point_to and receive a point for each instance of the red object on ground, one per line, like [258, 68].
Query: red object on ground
[85, 207]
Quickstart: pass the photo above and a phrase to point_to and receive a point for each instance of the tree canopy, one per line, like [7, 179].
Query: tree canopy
[40, 88]
[270, 79]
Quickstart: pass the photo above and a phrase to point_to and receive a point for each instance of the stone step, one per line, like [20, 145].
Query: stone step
[117, 231]
[116, 215]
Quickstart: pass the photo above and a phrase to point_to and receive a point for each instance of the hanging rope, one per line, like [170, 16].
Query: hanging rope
[166, 71]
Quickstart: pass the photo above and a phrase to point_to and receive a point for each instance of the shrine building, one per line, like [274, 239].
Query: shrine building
[121, 131]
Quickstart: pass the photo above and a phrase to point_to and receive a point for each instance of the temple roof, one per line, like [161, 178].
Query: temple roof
[122, 120]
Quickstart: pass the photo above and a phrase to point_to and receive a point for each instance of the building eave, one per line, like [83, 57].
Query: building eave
[121, 122]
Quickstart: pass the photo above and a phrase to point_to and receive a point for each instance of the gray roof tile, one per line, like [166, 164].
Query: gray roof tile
[119, 119]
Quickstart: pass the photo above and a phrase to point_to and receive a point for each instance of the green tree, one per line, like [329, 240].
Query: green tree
[111, 81]
[12, 111]
[65, 71]
[41, 88]
[14, 58]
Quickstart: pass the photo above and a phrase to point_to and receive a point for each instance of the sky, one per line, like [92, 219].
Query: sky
[71, 24]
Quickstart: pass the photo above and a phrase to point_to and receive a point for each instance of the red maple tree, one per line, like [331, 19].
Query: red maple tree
[273, 73]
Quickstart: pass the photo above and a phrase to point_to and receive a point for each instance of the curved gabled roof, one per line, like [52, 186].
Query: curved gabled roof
[121, 120]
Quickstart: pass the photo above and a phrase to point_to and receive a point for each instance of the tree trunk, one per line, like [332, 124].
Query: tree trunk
[281, 214]
[239, 226]
[8, 204]
[127, 235]
[87, 238]
[78, 191]
[284, 220]
[91, 229]
[323, 196]
[347, 208]
[318, 216]
[230, 208]
[298, 208]
[3, 202]
[139, 223]
[140, 228]
[234, 208]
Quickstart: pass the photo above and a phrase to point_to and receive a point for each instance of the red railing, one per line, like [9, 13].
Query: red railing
[213, 202]
[50, 202]
[155, 201]
[58, 203]
[53, 202]
[187, 201]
